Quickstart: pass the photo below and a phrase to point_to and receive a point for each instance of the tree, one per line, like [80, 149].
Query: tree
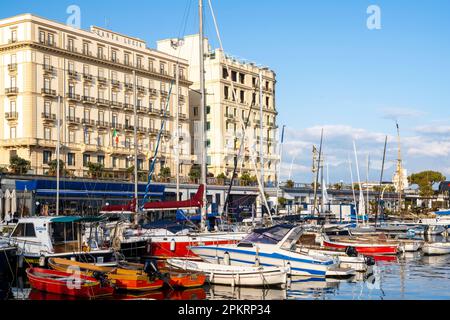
[53, 167]
[19, 165]
[95, 169]
[221, 176]
[425, 180]
[337, 186]
[165, 173]
[195, 172]
[282, 202]
[247, 179]
[289, 184]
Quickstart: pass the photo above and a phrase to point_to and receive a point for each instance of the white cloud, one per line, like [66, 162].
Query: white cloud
[397, 113]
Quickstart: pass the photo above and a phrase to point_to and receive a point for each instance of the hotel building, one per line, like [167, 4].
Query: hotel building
[226, 112]
[89, 76]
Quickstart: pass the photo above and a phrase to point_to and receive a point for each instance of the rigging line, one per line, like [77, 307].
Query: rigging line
[243, 127]
[155, 154]
[185, 18]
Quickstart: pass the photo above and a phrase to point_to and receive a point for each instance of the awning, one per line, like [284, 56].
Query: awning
[73, 219]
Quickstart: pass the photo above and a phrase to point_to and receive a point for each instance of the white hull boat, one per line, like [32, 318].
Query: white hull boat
[234, 275]
[436, 248]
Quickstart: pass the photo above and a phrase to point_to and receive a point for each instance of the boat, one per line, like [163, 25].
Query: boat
[429, 230]
[274, 246]
[64, 283]
[165, 243]
[40, 238]
[436, 248]
[126, 277]
[367, 246]
[234, 275]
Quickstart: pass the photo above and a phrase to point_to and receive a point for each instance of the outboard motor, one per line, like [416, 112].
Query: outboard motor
[370, 261]
[351, 251]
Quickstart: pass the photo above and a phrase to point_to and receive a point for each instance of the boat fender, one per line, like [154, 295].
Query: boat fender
[370, 261]
[172, 245]
[226, 258]
[42, 261]
[351, 251]
[20, 261]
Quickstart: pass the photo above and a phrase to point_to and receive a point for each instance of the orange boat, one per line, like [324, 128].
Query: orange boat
[127, 277]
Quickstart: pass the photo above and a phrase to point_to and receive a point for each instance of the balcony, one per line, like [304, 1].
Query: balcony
[88, 77]
[10, 41]
[154, 111]
[101, 56]
[71, 49]
[46, 92]
[73, 120]
[72, 96]
[73, 75]
[140, 89]
[88, 100]
[164, 93]
[141, 109]
[182, 116]
[117, 126]
[11, 91]
[12, 67]
[128, 107]
[48, 69]
[116, 105]
[103, 102]
[11, 116]
[128, 127]
[153, 92]
[102, 124]
[153, 131]
[141, 129]
[102, 81]
[182, 97]
[115, 83]
[48, 117]
[87, 53]
[88, 122]
[128, 86]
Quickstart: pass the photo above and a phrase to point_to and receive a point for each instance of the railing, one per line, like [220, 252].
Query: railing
[11, 115]
[128, 127]
[102, 80]
[103, 102]
[73, 120]
[48, 116]
[12, 67]
[11, 91]
[115, 83]
[153, 91]
[141, 109]
[87, 122]
[101, 123]
[128, 106]
[87, 99]
[128, 86]
[140, 88]
[48, 92]
[116, 126]
[48, 68]
[73, 96]
[87, 77]
[72, 74]
[115, 104]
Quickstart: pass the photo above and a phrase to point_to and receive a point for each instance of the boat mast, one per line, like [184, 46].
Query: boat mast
[353, 188]
[279, 168]
[203, 115]
[316, 207]
[58, 147]
[361, 196]
[367, 185]
[399, 172]
[378, 212]
[261, 133]
[177, 130]
[136, 208]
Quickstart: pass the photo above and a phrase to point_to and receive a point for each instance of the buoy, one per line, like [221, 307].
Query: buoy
[226, 258]
[172, 245]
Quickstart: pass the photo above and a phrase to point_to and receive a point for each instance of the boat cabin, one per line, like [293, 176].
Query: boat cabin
[284, 236]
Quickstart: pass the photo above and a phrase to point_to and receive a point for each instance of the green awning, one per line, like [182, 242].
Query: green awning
[68, 219]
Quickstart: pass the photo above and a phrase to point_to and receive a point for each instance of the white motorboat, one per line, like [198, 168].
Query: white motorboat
[436, 248]
[234, 275]
[274, 246]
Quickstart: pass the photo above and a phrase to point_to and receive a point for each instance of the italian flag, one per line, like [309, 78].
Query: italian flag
[116, 136]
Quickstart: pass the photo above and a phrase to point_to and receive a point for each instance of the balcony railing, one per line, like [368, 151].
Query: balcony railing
[128, 106]
[73, 120]
[73, 96]
[128, 127]
[12, 67]
[72, 74]
[140, 88]
[103, 102]
[11, 91]
[48, 92]
[115, 104]
[48, 69]
[87, 99]
[153, 91]
[11, 115]
[87, 77]
[141, 109]
[153, 110]
[115, 83]
[48, 116]
[164, 92]
[102, 80]
[128, 86]
[87, 122]
[116, 126]
[103, 124]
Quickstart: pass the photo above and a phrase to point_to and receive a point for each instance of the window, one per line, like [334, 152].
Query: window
[195, 111]
[72, 136]
[150, 64]
[114, 96]
[71, 159]
[86, 159]
[51, 39]
[101, 116]
[226, 92]
[100, 139]
[47, 133]
[242, 78]
[242, 96]
[139, 62]
[127, 143]
[87, 137]
[47, 83]
[140, 164]
[114, 162]
[86, 48]
[101, 73]
[12, 82]
[71, 44]
[126, 59]
[233, 76]
[114, 119]
[71, 89]
[267, 102]
[42, 37]
[47, 61]
[225, 73]
[72, 112]
[24, 230]
[162, 68]
[87, 91]
[208, 126]
[12, 106]
[100, 52]
[114, 56]
[86, 69]
[208, 109]
[101, 159]
[12, 132]
[14, 35]
[47, 157]
[71, 66]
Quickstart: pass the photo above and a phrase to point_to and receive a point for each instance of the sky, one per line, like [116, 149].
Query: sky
[333, 72]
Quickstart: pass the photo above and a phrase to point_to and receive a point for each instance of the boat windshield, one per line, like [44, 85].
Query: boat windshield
[271, 235]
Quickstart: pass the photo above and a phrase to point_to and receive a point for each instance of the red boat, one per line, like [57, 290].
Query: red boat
[375, 248]
[64, 283]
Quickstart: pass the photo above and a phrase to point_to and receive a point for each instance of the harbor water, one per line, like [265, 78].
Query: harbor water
[408, 276]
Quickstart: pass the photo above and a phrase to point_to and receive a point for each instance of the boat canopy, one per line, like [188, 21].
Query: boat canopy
[271, 235]
[68, 219]
[194, 202]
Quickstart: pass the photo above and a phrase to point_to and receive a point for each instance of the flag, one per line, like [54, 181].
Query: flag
[116, 136]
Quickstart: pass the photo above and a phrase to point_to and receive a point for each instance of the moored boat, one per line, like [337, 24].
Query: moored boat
[369, 247]
[234, 275]
[63, 283]
[436, 248]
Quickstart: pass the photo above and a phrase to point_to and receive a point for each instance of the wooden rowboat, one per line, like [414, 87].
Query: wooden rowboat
[64, 283]
[128, 279]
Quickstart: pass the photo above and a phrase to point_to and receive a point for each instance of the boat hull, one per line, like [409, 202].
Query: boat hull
[364, 248]
[436, 249]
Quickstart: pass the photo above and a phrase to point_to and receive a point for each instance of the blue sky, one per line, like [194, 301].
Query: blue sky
[332, 71]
